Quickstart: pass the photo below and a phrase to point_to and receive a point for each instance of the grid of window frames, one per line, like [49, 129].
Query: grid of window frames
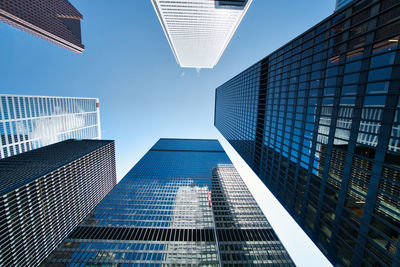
[237, 111]
[199, 31]
[158, 214]
[331, 137]
[30, 122]
[47, 20]
[244, 235]
[47, 192]
[342, 3]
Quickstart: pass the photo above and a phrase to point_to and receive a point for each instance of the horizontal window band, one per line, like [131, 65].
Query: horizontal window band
[176, 150]
[171, 234]
[237, 235]
[143, 234]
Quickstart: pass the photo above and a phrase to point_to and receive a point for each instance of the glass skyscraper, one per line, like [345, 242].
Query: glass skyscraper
[198, 31]
[182, 203]
[318, 121]
[56, 21]
[342, 3]
[45, 193]
[29, 122]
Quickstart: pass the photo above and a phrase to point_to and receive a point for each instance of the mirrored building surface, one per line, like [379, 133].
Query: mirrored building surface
[56, 21]
[30, 122]
[45, 193]
[182, 203]
[318, 121]
[198, 31]
[342, 3]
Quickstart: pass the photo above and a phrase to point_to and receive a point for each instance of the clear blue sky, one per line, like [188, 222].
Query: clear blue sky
[144, 94]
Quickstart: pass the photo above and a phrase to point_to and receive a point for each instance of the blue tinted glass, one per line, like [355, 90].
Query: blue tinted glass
[355, 54]
[338, 18]
[347, 101]
[5, 110]
[11, 107]
[380, 74]
[306, 53]
[329, 91]
[371, 101]
[320, 46]
[377, 88]
[313, 93]
[166, 144]
[332, 71]
[330, 81]
[327, 101]
[382, 60]
[351, 78]
[352, 67]
[349, 90]
[316, 66]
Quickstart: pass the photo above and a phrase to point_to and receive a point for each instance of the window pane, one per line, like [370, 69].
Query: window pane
[380, 74]
[352, 67]
[382, 60]
[377, 88]
[374, 101]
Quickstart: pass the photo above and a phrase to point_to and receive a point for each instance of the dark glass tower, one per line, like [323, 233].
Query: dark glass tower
[319, 121]
[56, 21]
[46, 192]
[182, 203]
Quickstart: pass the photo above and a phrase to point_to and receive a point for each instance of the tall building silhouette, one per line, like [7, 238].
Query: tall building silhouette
[182, 203]
[45, 193]
[29, 122]
[56, 21]
[199, 31]
[318, 121]
[342, 3]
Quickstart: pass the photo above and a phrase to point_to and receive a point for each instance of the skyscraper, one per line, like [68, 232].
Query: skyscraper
[56, 21]
[318, 121]
[342, 3]
[182, 203]
[46, 192]
[29, 122]
[198, 31]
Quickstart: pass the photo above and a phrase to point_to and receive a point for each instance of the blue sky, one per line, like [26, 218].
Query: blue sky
[144, 94]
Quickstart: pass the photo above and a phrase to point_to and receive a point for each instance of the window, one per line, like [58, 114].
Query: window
[349, 90]
[377, 88]
[380, 74]
[352, 67]
[388, 30]
[382, 60]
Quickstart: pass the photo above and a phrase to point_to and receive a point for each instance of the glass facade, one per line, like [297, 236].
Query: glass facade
[57, 22]
[45, 193]
[244, 235]
[342, 3]
[30, 122]
[182, 203]
[318, 121]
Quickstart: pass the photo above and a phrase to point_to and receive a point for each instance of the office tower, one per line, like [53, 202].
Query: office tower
[318, 121]
[199, 31]
[182, 203]
[56, 21]
[342, 3]
[29, 122]
[47, 192]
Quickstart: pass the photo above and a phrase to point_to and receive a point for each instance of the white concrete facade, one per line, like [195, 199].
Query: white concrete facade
[198, 31]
